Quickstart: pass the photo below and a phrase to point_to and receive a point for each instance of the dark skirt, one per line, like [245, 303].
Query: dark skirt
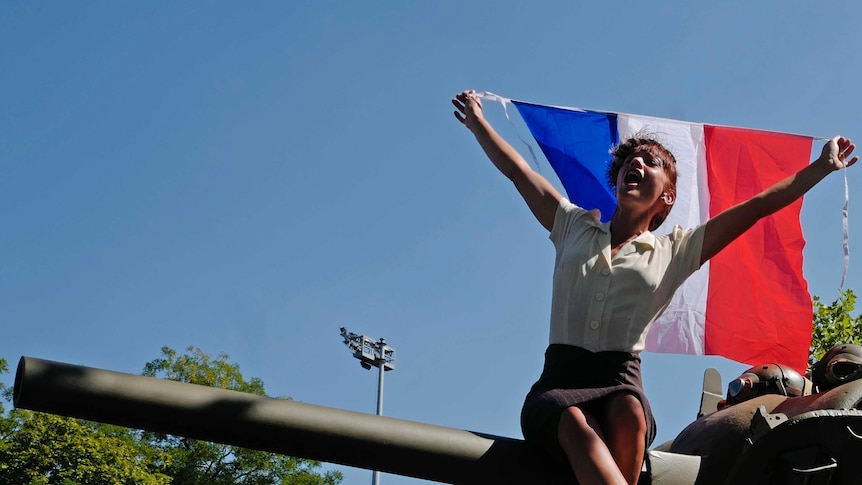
[577, 377]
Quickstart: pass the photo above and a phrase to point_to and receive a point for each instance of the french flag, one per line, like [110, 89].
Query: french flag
[750, 303]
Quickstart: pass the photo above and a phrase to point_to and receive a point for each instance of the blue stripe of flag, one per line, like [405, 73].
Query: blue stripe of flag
[577, 145]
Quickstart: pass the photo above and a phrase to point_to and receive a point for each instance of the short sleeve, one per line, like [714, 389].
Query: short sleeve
[687, 247]
[564, 219]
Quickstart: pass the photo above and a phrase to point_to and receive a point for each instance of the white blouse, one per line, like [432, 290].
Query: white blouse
[602, 304]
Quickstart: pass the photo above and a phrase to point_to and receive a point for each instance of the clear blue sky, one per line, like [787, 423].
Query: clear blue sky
[246, 178]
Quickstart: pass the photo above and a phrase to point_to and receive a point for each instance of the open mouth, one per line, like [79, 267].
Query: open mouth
[633, 177]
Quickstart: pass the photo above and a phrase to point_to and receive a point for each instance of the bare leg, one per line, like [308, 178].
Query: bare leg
[581, 438]
[625, 431]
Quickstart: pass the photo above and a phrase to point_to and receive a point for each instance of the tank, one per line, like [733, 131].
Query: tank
[775, 426]
[779, 432]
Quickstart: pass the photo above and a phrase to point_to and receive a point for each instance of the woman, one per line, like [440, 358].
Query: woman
[611, 281]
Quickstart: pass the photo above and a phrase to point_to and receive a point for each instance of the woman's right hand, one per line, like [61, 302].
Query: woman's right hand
[469, 110]
[541, 197]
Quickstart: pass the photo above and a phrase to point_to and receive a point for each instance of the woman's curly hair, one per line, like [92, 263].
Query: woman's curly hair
[650, 143]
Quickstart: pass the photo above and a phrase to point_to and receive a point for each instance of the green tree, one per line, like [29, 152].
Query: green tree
[39, 448]
[834, 324]
[194, 462]
[4, 368]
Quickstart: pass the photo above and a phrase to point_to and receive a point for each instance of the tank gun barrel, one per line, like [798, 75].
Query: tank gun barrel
[297, 429]
[276, 425]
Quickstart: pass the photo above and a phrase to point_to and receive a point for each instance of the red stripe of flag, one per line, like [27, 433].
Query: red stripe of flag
[758, 306]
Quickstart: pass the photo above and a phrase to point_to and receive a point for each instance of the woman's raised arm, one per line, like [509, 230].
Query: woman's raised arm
[722, 229]
[541, 197]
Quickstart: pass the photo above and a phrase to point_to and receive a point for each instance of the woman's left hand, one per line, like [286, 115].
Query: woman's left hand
[836, 151]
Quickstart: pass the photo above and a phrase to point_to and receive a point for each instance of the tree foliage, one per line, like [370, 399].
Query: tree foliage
[834, 324]
[4, 368]
[41, 448]
[45, 449]
[195, 462]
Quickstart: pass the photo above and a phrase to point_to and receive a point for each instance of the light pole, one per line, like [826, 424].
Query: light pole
[371, 354]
